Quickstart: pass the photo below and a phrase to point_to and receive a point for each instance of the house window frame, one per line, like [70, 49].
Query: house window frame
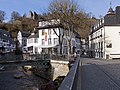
[35, 40]
[43, 32]
[49, 41]
[49, 31]
[43, 41]
[109, 46]
[55, 41]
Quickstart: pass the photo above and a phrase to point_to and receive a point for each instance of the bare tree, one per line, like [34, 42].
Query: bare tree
[2, 16]
[55, 23]
[15, 16]
[68, 13]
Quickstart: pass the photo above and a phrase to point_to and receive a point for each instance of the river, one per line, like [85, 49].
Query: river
[29, 81]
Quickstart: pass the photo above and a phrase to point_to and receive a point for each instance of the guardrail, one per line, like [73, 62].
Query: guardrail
[71, 80]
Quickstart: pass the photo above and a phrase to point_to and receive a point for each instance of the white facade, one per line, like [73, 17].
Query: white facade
[112, 41]
[45, 39]
[22, 38]
[104, 42]
[104, 39]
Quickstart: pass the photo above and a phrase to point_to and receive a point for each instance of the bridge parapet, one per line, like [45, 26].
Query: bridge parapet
[59, 68]
[71, 80]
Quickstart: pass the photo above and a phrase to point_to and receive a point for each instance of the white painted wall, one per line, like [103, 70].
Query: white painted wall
[112, 35]
[19, 38]
[52, 36]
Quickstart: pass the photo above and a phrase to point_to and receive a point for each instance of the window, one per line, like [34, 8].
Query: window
[101, 46]
[55, 40]
[101, 31]
[65, 42]
[43, 32]
[119, 33]
[49, 31]
[4, 40]
[35, 40]
[55, 50]
[36, 49]
[24, 41]
[49, 41]
[24, 44]
[30, 40]
[68, 33]
[43, 41]
[73, 43]
[109, 45]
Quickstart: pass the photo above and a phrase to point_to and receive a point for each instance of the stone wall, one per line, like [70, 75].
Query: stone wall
[59, 68]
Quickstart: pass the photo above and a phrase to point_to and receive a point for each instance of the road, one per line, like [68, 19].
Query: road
[100, 74]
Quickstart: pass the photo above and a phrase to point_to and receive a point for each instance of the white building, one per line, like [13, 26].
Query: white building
[22, 38]
[45, 40]
[104, 39]
[6, 42]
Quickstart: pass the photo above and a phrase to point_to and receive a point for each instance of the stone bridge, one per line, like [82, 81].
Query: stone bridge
[59, 67]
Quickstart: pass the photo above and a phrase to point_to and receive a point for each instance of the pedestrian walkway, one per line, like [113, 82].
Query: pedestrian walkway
[93, 78]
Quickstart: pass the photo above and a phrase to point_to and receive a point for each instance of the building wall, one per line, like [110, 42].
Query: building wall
[6, 42]
[104, 43]
[31, 42]
[46, 36]
[60, 68]
[96, 43]
[22, 41]
[108, 43]
[112, 36]
[43, 40]
[48, 39]
[19, 38]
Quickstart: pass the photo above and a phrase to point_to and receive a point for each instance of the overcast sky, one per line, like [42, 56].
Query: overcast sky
[96, 7]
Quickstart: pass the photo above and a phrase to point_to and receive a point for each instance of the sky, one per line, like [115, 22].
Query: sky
[95, 7]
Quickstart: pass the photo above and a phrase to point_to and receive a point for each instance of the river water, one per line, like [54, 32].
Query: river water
[29, 81]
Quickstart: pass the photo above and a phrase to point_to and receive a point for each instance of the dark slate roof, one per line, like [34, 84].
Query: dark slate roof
[25, 34]
[50, 26]
[76, 35]
[112, 17]
[110, 11]
[4, 33]
[36, 35]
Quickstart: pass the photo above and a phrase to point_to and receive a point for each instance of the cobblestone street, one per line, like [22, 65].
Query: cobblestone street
[100, 74]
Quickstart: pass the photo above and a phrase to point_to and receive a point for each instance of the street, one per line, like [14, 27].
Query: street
[100, 74]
